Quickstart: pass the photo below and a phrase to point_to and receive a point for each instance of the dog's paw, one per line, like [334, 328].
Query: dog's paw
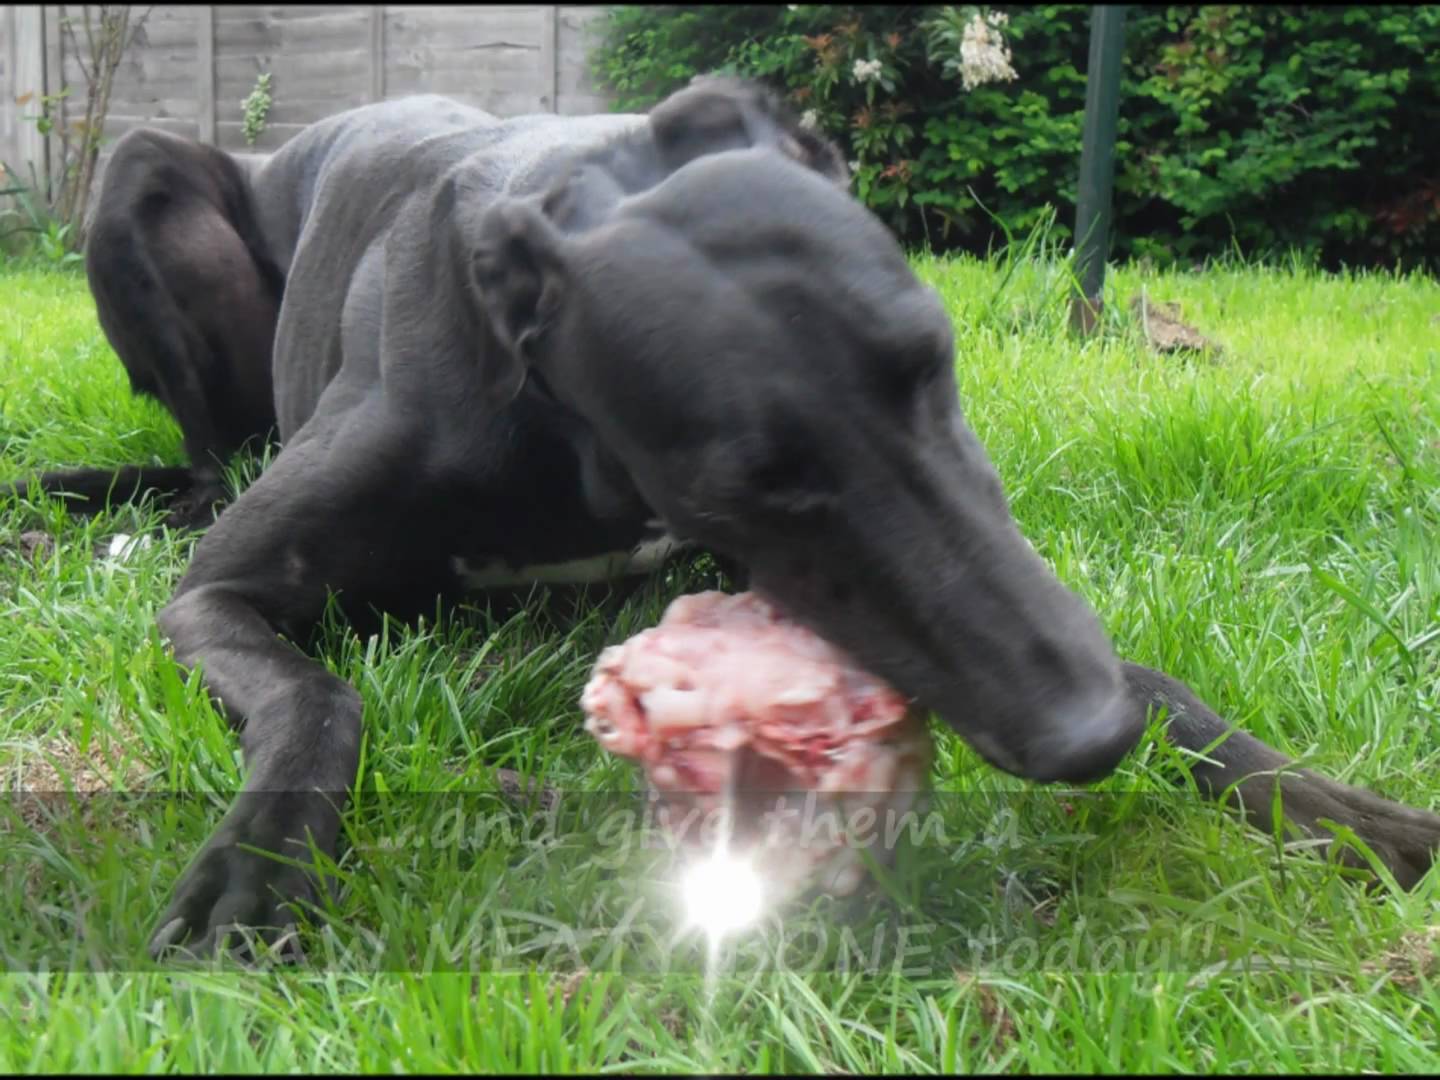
[196, 510]
[1405, 839]
[244, 902]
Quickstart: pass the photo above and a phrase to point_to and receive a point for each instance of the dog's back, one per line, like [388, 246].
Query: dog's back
[330, 198]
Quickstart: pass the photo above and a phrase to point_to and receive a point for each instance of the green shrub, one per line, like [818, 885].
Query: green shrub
[1261, 128]
[29, 228]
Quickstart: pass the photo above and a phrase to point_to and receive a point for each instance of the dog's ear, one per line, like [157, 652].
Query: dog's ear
[518, 269]
[469, 290]
[716, 113]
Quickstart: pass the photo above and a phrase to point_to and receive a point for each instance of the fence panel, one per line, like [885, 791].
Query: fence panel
[190, 66]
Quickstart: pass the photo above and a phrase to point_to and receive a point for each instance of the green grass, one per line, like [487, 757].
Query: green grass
[1264, 527]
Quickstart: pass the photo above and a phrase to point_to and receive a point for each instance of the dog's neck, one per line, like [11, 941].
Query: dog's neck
[597, 178]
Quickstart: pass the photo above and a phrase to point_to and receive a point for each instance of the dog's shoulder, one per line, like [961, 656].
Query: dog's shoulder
[362, 157]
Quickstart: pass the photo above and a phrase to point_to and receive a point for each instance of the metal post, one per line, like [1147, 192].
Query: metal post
[1097, 161]
[204, 72]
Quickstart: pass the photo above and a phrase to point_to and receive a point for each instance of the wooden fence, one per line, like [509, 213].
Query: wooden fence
[190, 67]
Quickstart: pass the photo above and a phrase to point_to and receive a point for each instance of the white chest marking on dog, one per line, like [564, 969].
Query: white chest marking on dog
[643, 558]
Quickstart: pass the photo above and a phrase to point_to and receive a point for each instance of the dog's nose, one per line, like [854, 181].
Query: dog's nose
[1084, 739]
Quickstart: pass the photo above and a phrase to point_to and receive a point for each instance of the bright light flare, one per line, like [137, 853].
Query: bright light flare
[722, 894]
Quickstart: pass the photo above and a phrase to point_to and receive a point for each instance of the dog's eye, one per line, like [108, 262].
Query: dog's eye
[902, 379]
[792, 484]
[917, 355]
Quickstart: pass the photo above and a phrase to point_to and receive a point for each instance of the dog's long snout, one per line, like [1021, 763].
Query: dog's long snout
[997, 648]
[1032, 680]
[957, 610]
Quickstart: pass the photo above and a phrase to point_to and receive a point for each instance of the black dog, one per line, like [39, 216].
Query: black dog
[557, 348]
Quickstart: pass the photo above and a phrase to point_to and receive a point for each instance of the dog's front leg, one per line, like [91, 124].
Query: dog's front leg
[1235, 766]
[268, 565]
[300, 733]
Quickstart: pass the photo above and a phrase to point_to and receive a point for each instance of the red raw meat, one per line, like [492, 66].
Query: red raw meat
[728, 698]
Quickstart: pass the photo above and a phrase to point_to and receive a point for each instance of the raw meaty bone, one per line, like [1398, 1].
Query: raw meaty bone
[728, 704]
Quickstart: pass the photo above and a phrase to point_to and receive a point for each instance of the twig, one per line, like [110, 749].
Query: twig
[67, 36]
[136, 25]
[106, 45]
[89, 36]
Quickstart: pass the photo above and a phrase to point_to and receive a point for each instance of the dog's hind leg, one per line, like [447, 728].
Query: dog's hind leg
[90, 489]
[1236, 767]
[189, 299]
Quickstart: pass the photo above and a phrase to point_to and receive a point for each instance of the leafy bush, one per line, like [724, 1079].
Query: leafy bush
[1257, 127]
[29, 228]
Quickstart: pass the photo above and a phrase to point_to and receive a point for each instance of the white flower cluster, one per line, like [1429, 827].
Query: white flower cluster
[867, 71]
[809, 119]
[984, 56]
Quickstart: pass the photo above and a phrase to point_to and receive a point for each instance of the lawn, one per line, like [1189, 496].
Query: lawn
[1264, 524]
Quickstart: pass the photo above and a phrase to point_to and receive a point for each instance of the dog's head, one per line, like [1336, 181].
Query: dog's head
[751, 344]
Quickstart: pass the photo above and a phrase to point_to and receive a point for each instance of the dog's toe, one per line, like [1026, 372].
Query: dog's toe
[240, 942]
[1404, 838]
[170, 936]
[235, 899]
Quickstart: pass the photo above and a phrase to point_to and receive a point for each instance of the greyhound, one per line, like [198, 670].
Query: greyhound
[565, 349]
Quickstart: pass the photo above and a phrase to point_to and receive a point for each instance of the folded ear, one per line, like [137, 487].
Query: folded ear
[466, 292]
[716, 113]
[518, 268]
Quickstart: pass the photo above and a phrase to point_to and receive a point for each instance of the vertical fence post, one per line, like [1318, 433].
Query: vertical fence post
[550, 58]
[1097, 161]
[377, 52]
[205, 72]
[55, 142]
[26, 55]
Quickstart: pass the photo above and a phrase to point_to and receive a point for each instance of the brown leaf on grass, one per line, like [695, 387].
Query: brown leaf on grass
[992, 1011]
[518, 789]
[1414, 957]
[673, 1020]
[566, 985]
[492, 663]
[1046, 912]
[1164, 330]
[59, 760]
[34, 544]
[560, 987]
[40, 782]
